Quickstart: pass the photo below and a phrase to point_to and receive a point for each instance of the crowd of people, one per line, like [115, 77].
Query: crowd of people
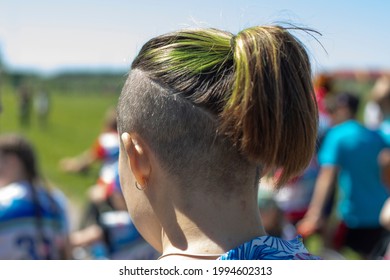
[348, 174]
[31, 101]
[223, 147]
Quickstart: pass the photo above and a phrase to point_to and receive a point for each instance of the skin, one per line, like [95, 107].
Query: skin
[11, 170]
[313, 219]
[173, 221]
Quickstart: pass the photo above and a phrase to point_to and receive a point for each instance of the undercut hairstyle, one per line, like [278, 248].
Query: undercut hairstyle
[221, 106]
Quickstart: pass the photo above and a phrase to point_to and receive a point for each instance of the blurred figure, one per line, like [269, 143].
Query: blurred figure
[323, 84]
[42, 107]
[381, 97]
[112, 235]
[105, 150]
[349, 153]
[33, 222]
[372, 115]
[274, 221]
[380, 94]
[106, 230]
[377, 109]
[295, 196]
[383, 248]
[25, 98]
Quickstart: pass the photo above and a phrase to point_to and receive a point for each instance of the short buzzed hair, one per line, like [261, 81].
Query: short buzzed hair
[184, 137]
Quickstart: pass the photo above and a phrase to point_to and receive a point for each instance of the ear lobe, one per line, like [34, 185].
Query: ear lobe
[138, 157]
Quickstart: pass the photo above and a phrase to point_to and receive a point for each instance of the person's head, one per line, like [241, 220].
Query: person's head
[342, 106]
[17, 159]
[209, 112]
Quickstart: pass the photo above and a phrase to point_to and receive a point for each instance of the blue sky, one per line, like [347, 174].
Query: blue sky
[48, 35]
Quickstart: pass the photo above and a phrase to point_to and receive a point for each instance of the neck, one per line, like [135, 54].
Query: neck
[208, 226]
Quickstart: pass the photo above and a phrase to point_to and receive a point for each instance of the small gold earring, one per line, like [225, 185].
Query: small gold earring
[139, 187]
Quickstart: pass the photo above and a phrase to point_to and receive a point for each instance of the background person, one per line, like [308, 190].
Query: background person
[348, 159]
[112, 235]
[105, 150]
[42, 106]
[25, 96]
[33, 220]
[273, 217]
[106, 229]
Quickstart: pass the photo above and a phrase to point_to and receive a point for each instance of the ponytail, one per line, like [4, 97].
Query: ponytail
[271, 114]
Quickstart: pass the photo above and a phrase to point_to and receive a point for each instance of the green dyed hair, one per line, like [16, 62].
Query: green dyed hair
[255, 88]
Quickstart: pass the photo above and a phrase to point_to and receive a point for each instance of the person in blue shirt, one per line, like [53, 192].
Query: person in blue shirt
[204, 114]
[349, 159]
[34, 223]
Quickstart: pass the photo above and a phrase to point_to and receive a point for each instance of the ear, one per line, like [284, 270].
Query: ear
[138, 157]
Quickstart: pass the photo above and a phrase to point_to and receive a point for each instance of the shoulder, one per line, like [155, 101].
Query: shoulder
[348, 131]
[12, 192]
[346, 127]
[16, 202]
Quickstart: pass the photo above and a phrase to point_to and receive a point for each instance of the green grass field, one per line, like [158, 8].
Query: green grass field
[74, 122]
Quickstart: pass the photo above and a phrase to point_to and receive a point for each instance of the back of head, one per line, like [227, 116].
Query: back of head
[17, 145]
[344, 99]
[216, 105]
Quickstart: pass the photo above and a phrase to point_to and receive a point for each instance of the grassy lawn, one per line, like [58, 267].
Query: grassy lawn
[73, 124]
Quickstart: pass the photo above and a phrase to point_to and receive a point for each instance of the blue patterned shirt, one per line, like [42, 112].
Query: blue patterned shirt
[270, 248]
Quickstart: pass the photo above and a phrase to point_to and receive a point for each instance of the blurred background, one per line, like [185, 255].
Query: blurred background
[66, 61]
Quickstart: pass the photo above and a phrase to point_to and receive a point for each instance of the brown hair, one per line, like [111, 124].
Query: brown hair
[251, 91]
[17, 145]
